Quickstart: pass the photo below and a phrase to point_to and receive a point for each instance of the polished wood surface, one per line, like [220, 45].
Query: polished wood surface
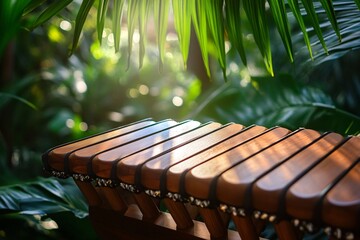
[163, 176]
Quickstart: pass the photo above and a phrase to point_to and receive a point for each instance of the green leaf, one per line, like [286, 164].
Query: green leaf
[53, 9]
[234, 26]
[101, 16]
[144, 9]
[255, 11]
[328, 6]
[44, 196]
[279, 14]
[278, 101]
[161, 14]
[32, 6]
[132, 19]
[214, 10]
[10, 15]
[294, 6]
[20, 99]
[116, 22]
[80, 20]
[182, 20]
[200, 26]
[358, 3]
[309, 7]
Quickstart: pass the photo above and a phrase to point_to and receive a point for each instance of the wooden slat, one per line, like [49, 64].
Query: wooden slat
[268, 191]
[238, 179]
[79, 159]
[127, 167]
[198, 180]
[341, 206]
[59, 154]
[175, 173]
[103, 162]
[153, 170]
[303, 197]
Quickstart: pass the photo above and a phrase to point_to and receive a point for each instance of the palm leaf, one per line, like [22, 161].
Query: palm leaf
[215, 17]
[132, 19]
[234, 26]
[116, 22]
[53, 9]
[255, 11]
[200, 26]
[348, 18]
[280, 17]
[161, 14]
[101, 16]
[182, 21]
[276, 101]
[143, 19]
[80, 20]
[20, 99]
[44, 196]
[32, 6]
[294, 6]
[215, 22]
[309, 6]
[327, 5]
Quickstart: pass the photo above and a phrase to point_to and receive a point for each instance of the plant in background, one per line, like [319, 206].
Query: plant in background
[99, 85]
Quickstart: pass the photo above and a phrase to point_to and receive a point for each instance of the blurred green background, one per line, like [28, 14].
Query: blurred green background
[48, 97]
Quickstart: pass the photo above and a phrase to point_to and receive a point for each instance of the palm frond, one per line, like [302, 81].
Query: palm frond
[319, 22]
[279, 101]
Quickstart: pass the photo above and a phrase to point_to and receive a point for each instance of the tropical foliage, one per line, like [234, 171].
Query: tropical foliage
[212, 19]
[52, 96]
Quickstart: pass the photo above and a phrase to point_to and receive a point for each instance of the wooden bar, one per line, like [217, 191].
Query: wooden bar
[201, 175]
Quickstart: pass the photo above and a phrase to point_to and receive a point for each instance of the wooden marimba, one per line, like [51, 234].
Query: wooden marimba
[300, 182]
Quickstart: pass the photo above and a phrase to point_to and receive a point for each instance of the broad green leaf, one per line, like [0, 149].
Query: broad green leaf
[294, 6]
[328, 6]
[279, 14]
[101, 16]
[182, 20]
[80, 20]
[255, 11]
[278, 101]
[309, 7]
[132, 19]
[234, 27]
[161, 14]
[53, 9]
[44, 196]
[214, 10]
[144, 9]
[116, 22]
[200, 26]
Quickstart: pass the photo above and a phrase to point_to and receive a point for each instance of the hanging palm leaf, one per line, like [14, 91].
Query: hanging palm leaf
[116, 21]
[216, 27]
[161, 13]
[220, 17]
[80, 20]
[182, 22]
[279, 14]
[234, 27]
[255, 11]
[101, 16]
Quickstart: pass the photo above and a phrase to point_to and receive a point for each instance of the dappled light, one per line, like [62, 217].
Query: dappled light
[73, 69]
